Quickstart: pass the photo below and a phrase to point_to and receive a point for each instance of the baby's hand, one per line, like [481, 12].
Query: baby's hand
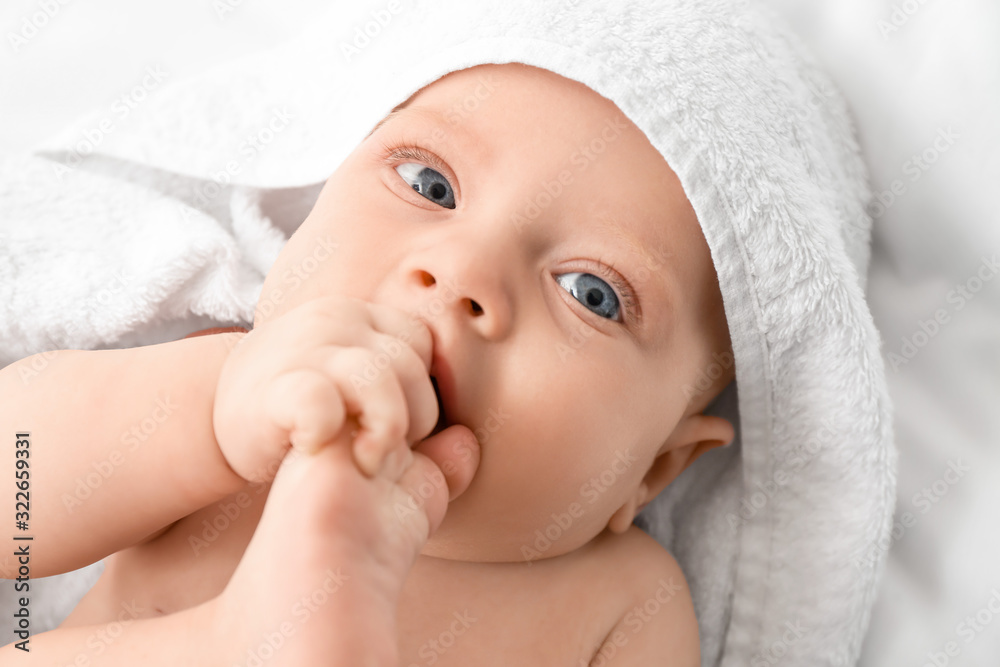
[331, 554]
[301, 380]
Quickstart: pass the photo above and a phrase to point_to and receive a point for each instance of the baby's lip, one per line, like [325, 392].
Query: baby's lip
[440, 371]
[442, 422]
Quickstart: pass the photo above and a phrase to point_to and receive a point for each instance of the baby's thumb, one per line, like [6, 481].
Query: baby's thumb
[439, 469]
[455, 451]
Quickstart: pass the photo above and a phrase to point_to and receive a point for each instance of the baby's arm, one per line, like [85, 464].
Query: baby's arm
[186, 637]
[121, 444]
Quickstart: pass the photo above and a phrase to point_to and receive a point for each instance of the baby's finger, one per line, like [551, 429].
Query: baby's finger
[404, 327]
[378, 403]
[427, 489]
[396, 462]
[393, 356]
[456, 451]
[308, 406]
[405, 342]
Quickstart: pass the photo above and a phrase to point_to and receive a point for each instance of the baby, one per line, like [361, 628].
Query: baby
[278, 515]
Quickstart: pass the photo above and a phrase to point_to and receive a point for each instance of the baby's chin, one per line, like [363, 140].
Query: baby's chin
[540, 551]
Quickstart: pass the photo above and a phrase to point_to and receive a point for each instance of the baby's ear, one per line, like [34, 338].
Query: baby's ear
[693, 436]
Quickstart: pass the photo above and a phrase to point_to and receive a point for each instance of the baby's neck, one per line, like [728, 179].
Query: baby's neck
[439, 552]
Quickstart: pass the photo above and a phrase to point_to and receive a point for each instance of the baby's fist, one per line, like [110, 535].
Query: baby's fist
[300, 380]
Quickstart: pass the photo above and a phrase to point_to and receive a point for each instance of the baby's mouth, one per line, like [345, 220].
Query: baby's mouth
[442, 422]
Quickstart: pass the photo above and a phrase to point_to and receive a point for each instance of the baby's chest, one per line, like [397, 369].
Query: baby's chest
[459, 614]
[186, 565]
[462, 620]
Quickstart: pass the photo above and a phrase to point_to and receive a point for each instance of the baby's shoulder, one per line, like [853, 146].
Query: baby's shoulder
[639, 554]
[657, 615]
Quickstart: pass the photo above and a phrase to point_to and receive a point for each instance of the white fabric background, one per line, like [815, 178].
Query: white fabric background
[937, 70]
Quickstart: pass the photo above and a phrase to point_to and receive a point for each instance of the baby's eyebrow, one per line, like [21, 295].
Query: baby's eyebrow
[658, 267]
[448, 127]
[423, 111]
[388, 116]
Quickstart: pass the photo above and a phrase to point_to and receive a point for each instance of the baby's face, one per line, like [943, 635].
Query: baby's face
[570, 291]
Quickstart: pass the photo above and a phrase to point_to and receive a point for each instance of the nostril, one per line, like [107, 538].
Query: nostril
[476, 309]
[427, 279]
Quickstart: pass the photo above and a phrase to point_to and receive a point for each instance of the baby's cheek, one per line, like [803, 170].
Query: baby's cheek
[610, 485]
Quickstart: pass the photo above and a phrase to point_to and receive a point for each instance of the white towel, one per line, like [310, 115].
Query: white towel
[782, 537]
[88, 260]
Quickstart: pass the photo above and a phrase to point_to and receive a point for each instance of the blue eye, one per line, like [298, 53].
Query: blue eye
[428, 182]
[592, 291]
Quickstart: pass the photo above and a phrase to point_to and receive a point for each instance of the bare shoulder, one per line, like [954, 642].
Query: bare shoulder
[658, 622]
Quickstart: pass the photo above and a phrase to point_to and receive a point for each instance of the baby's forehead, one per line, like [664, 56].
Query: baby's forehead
[538, 91]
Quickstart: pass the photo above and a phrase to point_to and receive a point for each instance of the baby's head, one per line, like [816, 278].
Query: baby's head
[569, 288]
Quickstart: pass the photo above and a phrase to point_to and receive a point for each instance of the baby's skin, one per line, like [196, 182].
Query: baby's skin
[297, 501]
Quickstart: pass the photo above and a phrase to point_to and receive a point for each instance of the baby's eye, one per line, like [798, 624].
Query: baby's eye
[428, 182]
[592, 291]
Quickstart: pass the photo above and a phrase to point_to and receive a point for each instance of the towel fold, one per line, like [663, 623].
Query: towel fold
[94, 254]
